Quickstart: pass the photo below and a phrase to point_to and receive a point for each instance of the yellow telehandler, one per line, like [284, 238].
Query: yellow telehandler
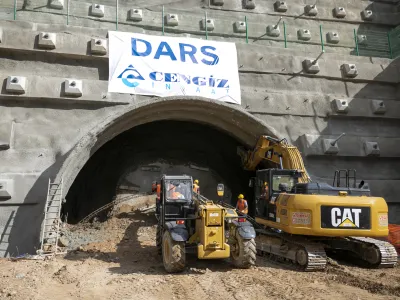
[188, 222]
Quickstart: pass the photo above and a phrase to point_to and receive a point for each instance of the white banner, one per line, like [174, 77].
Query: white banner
[172, 66]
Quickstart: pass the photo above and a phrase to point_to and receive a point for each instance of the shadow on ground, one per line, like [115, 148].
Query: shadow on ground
[136, 251]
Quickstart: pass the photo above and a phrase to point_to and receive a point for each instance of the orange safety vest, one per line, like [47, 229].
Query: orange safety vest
[158, 191]
[175, 195]
[241, 204]
[196, 188]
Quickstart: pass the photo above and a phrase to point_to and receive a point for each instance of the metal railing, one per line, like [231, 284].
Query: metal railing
[366, 42]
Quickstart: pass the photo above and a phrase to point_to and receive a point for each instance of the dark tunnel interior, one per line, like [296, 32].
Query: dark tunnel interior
[168, 147]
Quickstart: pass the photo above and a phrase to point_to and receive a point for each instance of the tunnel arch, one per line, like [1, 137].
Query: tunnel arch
[230, 119]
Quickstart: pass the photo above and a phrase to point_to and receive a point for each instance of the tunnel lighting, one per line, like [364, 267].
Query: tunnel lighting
[180, 222]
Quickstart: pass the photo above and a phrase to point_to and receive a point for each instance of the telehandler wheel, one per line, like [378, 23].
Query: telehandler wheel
[159, 239]
[244, 254]
[173, 253]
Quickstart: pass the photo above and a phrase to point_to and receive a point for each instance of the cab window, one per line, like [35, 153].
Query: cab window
[178, 190]
[278, 179]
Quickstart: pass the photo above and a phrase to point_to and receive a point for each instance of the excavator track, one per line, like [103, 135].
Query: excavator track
[310, 256]
[387, 252]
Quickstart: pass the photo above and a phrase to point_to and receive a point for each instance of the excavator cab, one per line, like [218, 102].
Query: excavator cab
[279, 181]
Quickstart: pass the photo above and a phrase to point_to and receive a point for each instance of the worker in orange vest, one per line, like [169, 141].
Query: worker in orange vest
[173, 194]
[153, 186]
[158, 197]
[196, 186]
[158, 191]
[242, 205]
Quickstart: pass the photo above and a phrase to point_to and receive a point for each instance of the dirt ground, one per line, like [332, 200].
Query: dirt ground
[123, 264]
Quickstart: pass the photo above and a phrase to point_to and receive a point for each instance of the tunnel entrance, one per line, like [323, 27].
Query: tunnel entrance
[136, 157]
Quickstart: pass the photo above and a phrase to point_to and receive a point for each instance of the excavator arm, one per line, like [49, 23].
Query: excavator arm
[276, 151]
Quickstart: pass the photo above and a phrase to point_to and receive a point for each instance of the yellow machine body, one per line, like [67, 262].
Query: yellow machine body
[302, 214]
[210, 231]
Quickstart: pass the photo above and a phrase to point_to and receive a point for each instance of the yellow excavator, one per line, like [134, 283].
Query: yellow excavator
[301, 220]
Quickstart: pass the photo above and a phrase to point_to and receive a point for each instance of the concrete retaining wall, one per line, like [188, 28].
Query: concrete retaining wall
[41, 129]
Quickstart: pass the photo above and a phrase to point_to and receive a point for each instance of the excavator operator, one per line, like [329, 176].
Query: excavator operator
[241, 205]
[196, 186]
[265, 191]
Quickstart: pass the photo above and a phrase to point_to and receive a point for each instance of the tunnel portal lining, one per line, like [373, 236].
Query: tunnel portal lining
[228, 118]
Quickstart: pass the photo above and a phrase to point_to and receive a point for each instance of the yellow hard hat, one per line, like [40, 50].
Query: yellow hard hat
[241, 196]
[196, 181]
[265, 183]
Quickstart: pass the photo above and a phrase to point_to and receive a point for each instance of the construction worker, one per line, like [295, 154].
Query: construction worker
[153, 187]
[158, 197]
[173, 194]
[196, 186]
[265, 191]
[241, 204]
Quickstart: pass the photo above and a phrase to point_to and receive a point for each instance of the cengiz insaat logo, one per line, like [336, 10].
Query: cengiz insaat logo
[130, 76]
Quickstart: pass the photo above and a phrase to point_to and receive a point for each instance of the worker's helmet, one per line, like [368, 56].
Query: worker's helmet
[265, 183]
[241, 196]
[196, 181]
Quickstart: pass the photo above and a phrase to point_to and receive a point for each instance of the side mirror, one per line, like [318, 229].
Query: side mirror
[251, 182]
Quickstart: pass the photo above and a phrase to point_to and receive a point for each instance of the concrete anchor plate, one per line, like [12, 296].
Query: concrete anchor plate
[378, 107]
[281, 6]
[333, 37]
[56, 4]
[47, 40]
[16, 84]
[210, 24]
[367, 15]
[98, 46]
[240, 27]
[218, 2]
[349, 70]
[73, 87]
[304, 34]
[171, 20]
[311, 10]
[329, 147]
[249, 4]
[273, 30]
[362, 39]
[371, 149]
[339, 12]
[310, 66]
[135, 14]
[341, 106]
[97, 10]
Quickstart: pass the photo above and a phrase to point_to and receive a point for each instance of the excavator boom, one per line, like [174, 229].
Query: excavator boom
[276, 151]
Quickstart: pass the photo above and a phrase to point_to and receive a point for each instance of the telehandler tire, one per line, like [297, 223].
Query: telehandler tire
[173, 253]
[159, 238]
[244, 255]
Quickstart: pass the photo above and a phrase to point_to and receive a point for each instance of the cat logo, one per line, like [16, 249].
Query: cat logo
[345, 217]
